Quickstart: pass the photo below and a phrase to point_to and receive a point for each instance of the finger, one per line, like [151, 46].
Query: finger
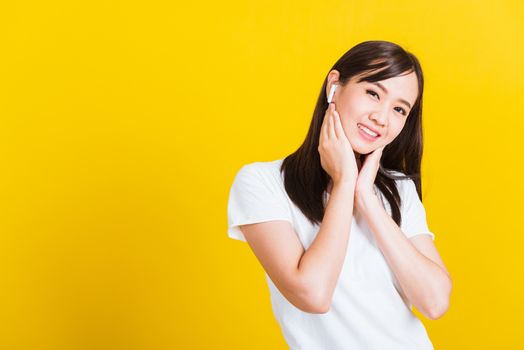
[339, 130]
[332, 133]
[325, 124]
[377, 154]
[323, 129]
[326, 113]
[373, 159]
[329, 120]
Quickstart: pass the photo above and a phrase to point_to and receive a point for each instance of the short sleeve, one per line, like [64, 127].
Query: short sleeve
[413, 213]
[255, 196]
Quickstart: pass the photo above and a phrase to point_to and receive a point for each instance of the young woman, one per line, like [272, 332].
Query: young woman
[339, 226]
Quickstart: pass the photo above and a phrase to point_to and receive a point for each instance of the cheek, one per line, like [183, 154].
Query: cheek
[349, 117]
[346, 122]
[346, 125]
[394, 131]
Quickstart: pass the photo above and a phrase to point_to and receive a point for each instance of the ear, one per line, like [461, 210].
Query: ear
[332, 79]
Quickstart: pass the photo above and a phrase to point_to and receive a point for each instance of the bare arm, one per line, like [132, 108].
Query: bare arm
[321, 264]
[421, 274]
[307, 278]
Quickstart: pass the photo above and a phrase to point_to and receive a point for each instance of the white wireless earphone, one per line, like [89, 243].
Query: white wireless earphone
[331, 93]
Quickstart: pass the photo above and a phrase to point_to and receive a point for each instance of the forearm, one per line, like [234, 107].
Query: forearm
[425, 283]
[322, 262]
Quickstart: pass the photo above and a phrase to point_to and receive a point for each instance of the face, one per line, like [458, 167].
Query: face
[373, 114]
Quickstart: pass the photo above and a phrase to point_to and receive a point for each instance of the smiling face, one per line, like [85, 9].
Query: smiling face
[373, 114]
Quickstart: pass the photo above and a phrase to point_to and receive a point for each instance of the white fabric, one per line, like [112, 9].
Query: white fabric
[367, 310]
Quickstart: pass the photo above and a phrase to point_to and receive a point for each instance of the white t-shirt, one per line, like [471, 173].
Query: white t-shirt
[367, 310]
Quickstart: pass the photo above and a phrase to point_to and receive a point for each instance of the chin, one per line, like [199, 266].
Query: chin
[362, 149]
[366, 149]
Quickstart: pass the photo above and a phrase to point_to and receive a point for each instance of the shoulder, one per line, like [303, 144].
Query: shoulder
[259, 185]
[268, 172]
[256, 196]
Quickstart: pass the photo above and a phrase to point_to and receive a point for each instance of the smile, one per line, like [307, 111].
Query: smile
[367, 132]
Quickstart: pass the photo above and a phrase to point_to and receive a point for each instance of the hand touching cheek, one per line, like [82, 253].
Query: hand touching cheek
[366, 179]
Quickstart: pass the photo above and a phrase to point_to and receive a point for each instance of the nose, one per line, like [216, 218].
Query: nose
[380, 117]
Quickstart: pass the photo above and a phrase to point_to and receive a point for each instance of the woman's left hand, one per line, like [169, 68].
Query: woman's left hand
[366, 179]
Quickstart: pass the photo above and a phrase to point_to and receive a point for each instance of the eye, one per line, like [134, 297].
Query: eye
[403, 110]
[372, 93]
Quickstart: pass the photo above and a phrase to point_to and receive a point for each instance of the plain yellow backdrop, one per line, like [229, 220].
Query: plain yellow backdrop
[123, 124]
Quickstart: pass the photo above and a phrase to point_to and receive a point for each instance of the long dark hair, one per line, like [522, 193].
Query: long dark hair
[304, 178]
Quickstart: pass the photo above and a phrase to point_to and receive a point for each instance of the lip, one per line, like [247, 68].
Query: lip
[370, 128]
[366, 136]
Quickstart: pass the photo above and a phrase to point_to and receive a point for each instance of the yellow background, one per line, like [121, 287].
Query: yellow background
[123, 124]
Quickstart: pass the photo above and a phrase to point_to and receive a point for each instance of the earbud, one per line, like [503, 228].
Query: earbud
[331, 93]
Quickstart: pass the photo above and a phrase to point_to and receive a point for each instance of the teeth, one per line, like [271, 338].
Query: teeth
[369, 132]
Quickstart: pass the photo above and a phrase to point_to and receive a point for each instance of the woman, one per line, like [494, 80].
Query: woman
[339, 226]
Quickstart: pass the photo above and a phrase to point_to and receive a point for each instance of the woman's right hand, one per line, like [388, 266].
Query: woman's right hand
[336, 153]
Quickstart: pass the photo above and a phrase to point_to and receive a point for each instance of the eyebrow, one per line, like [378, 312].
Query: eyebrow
[386, 91]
